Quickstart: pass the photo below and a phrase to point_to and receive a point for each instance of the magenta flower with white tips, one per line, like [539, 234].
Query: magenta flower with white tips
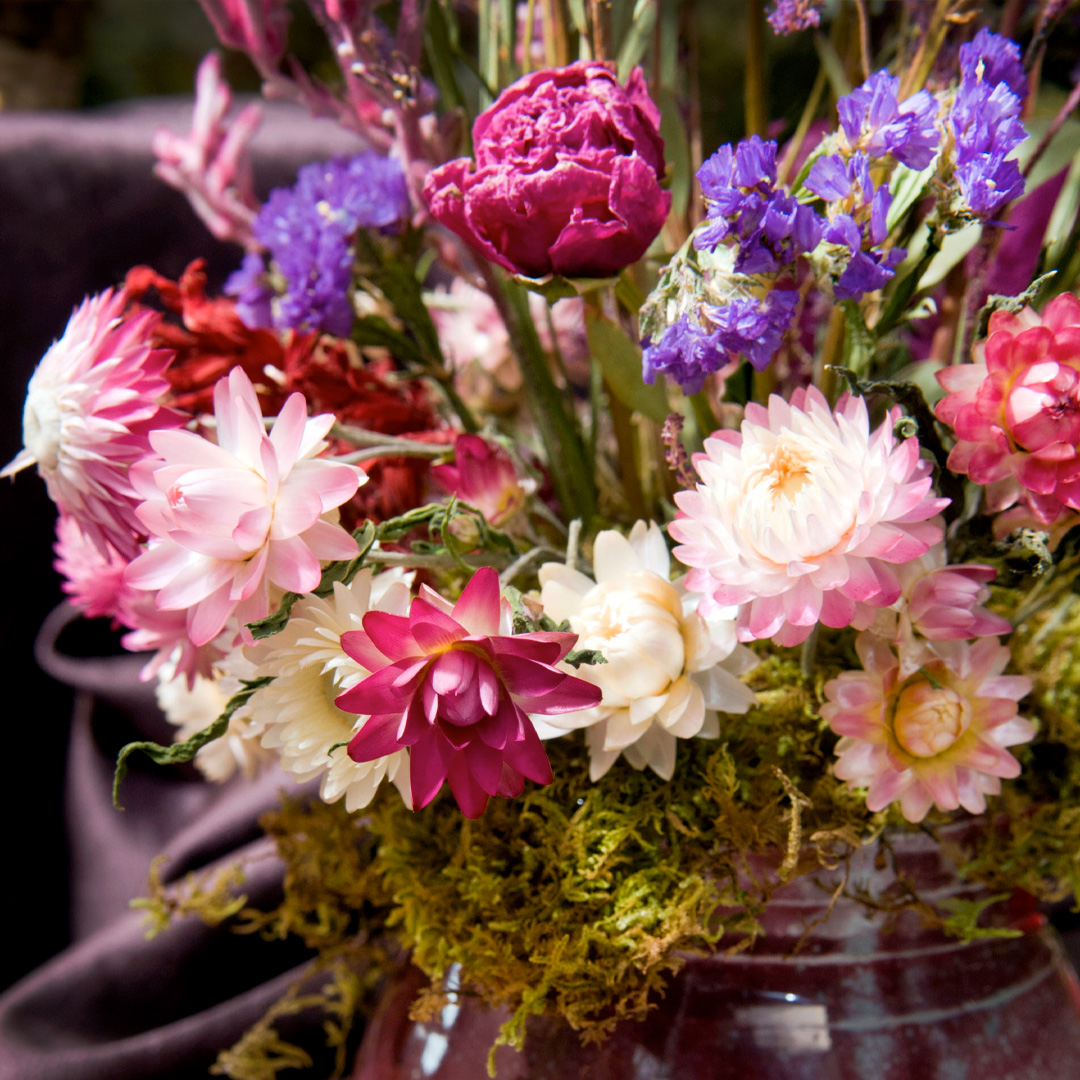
[90, 406]
[451, 683]
[233, 518]
[801, 517]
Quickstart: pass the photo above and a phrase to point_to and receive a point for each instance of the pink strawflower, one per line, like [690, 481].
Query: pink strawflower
[90, 406]
[93, 580]
[935, 738]
[450, 683]
[212, 164]
[237, 516]
[801, 517]
[484, 477]
[1016, 410]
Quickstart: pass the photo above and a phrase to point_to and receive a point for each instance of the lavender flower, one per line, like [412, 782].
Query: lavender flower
[986, 124]
[686, 353]
[874, 121]
[254, 297]
[770, 227]
[791, 15]
[993, 59]
[755, 328]
[308, 230]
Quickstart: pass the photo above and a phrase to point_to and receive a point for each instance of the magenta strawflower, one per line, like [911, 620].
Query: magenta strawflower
[1016, 410]
[802, 516]
[235, 517]
[938, 737]
[90, 406]
[453, 685]
[93, 580]
[483, 475]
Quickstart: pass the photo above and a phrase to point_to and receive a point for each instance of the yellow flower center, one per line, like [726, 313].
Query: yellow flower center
[929, 719]
[788, 471]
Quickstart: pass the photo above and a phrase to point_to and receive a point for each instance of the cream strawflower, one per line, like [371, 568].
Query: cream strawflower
[668, 670]
[197, 706]
[295, 715]
[801, 516]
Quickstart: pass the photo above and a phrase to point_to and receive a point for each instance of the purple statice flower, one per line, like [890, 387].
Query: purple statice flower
[254, 296]
[308, 231]
[791, 15]
[993, 59]
[986, 124]
[755, 327]
[686, 353]
[858, 220]
[745, 206]
[873, 120]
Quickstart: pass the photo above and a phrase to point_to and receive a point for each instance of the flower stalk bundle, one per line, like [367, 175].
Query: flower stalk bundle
[609, 499]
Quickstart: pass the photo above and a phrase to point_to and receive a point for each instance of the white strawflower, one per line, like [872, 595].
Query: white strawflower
[668, 671]
[295, 715]
[192, 708]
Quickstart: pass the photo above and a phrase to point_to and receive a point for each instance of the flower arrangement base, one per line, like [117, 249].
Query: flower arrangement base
[866, 997]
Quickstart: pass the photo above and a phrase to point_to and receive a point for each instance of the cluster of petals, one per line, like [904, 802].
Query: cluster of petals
[229, 519]
[93, 580]
[453, 685]
[668, 671]
[483, 475]
[874, 120]
[90, 407]
[212, 164]
[938, 737]
[1016, 410]
[802, 516]
[295, 717]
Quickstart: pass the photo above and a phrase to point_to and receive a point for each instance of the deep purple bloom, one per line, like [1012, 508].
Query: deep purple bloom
[866, 272]
[1000, 61]
[874, 120]
[986, 125]
[770, 227]
[791, 15]
[686, 353]
[755, 328]
[253, 295]
[566, 178]
[308, 230]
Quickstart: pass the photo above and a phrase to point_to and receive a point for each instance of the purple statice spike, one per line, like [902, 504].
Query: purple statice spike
[253, 295]
[308, 231]
[790, 16]
[879, 214]
[993, 59]
[866, 272]
[755, 328]
[686, 353]
[874, 120]
[714, 176]
[755, 163]
[828, 177]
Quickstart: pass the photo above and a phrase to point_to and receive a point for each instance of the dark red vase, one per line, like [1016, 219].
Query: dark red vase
[865, 997]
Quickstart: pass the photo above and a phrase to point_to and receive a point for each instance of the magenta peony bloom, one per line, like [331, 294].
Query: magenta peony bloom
[232, 518]
[802, 517]
[1016, 410]
[451, 683]
[938, 737]
[566, 178]
[484, 477]
[90, 406]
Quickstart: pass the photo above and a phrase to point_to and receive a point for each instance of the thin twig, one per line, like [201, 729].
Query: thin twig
[421, 450]
[523, 562]
[1051, 132]
[864, 38]
[431, 562]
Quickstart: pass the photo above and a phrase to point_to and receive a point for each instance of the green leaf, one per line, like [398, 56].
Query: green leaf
[185, 751]
[620, 360]
[954, 247]
[374, 330]
[677, 150]
[996, 302]
[907, 186]
[637, 38]
[440, 52]
[1064, 215]
[553, 287]
[833, 65]
[576, 657]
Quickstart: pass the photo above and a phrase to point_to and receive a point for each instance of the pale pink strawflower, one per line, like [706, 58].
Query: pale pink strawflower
[236, 517]
[483, 475]
[453, 685]
[1016, 410]
[212, 164]
[93, 580]
[802, 516]
[937, 738]
[90, 406]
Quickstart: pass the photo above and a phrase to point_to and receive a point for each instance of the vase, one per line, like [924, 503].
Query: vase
[830, 990]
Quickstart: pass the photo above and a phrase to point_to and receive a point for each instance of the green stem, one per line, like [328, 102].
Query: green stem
[571, 473]
[754, 79]
[703, 414]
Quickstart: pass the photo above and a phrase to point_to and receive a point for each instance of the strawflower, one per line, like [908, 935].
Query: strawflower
[1016, 410]
[668, 671]
[936, 738]
[801, 516]
[295, 715]
[483, 475]
[93, 580]
[232, 518]
[90, 406]
[452, 685]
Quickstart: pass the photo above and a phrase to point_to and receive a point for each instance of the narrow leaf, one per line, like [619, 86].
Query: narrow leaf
[620, 361]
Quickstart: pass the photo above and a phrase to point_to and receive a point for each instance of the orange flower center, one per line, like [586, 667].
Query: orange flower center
[928, 719]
